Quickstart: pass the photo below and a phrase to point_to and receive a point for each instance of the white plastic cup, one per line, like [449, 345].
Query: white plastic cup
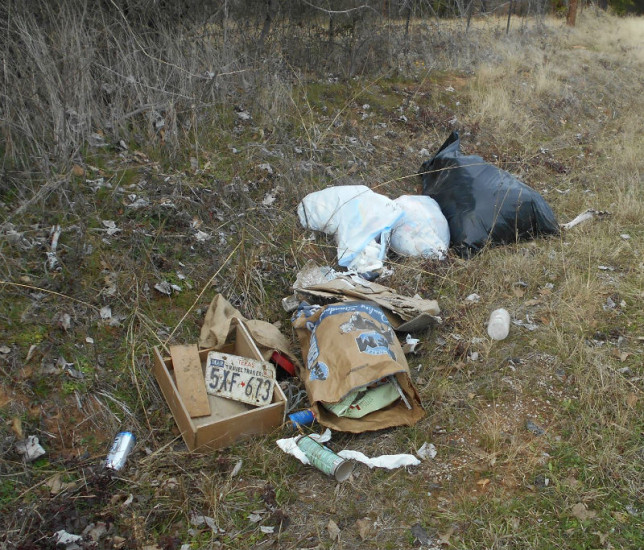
[498, 327]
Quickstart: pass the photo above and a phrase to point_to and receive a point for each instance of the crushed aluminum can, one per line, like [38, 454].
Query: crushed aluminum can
[324, 459]
[121, 448]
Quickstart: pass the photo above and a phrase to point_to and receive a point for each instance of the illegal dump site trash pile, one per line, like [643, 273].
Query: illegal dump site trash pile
[353, 367]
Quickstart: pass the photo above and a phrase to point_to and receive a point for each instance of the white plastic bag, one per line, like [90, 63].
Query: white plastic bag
[423, 229]
[357, 217]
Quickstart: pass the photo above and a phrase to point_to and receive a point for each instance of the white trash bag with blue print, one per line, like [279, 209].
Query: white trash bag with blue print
[359, 219]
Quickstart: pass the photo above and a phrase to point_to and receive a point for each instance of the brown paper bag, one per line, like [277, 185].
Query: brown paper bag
[349, 346]
[218, 326]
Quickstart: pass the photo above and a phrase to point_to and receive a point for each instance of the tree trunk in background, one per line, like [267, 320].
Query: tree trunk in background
[507, 28]
[271, 7]
[572, 13]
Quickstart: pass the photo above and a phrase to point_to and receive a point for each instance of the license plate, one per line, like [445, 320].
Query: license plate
[240, 378]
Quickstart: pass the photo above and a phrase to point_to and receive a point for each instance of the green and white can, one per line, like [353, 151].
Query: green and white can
[324, 459]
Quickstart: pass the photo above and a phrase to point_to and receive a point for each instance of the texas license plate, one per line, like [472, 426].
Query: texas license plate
[240, 378]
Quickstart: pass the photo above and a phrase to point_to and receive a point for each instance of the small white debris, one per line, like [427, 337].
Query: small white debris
[427, 451]
[237, 468]
[266, 529]
[30, 448]
[139, 203]
[111, 227]
[473, 298]
[164, 287]
[606, 267]
[89, 340]
[366, 107]
[423, 152]
[65, 538]
[267, 168]
[269, 199]
[202, 237]
[198, 521]
[610, 304]
[450, 89]
[96, 140]
[106, 313]
[254, 518]
[244, 115]
[525, 324]
[625, 236]
[5, 349]
[410, 344]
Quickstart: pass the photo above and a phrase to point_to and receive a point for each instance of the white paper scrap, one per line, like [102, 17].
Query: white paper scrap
[63, 537]
[289, 446]
[427, 450]
[390, 462]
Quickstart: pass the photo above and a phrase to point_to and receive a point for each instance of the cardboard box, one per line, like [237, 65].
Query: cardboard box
[229, 421]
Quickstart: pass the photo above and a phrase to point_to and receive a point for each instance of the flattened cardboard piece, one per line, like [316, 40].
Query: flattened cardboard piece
[347, 346]
[218, 325]
[405, 313]
[190, 379]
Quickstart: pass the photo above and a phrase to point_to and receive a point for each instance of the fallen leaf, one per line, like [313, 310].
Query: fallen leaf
[57, 486]
[603, 537]
[78, 171]
[532, 302]
[621, 355]
[631, 400]
[236, 469]
[419, 533]
[581, 512]
[95, 532]
[16, 427]
[364, 528]
[483, 482]
[333, 530]
[443, 539]
[518, 291]
[118, 542]
[622, 517]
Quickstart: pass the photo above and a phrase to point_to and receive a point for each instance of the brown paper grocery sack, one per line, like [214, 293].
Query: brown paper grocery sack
[218, 326]
[349, 346]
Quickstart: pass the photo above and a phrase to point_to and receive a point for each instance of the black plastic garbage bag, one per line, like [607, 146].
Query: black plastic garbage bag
[482, 203]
